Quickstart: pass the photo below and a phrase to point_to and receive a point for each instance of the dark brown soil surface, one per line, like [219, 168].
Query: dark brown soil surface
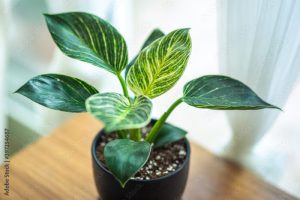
[162, 160]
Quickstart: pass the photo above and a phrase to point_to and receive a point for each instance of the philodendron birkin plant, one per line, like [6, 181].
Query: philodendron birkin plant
[155, 70]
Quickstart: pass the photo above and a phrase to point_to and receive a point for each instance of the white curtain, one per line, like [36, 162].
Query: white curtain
[2, 73]
[259, 44]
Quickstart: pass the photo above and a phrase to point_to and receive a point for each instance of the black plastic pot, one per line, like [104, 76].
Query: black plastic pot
[169, 187]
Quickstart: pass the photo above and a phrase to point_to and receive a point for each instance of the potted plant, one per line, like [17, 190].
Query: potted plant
[134, 157]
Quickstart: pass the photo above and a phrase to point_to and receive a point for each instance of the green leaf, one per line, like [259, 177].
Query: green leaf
[160, 65]
[155, 34]
[118, 113]
[89, 38]
[168, 134]
[58, 92]
[222, 93]
[125, 157]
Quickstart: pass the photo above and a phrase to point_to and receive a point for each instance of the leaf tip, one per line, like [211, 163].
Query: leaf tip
[157, 30]
[186, 29]
[273, 106]
[276, 107]
[46, 15]
[18, 91]
[123, 184]
[47, 18]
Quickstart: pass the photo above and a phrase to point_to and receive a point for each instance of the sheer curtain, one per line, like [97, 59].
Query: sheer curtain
[2, 84]
[259, 44]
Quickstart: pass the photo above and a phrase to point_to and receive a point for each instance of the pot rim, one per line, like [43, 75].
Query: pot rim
[100, 164]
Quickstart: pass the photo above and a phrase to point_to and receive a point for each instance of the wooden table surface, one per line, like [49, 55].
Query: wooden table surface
[58, 167]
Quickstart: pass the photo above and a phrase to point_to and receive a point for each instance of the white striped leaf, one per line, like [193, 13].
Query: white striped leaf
[222, 93]
[58, 92]
[155, 34]
[117, 113]
[89, 38]
[160, 65]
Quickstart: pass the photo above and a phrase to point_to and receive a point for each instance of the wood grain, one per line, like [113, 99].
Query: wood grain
[58, 167]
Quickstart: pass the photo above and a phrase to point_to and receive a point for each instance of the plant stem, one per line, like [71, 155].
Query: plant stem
[154, 131]
[136, 134]
[124, 87]
[122, 134]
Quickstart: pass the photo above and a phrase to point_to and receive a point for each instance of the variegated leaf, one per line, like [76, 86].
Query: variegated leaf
[155, 34]
[58, 92]
[222, 93]
[89, 38]
[118, 113]
[160, 65]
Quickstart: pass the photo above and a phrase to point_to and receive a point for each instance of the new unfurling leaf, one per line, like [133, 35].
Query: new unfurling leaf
[159, 66]
[155, 34]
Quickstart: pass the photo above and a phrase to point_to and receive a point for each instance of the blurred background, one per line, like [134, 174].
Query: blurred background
[255, 41]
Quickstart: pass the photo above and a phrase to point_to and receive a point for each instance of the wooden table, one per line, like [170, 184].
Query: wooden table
[58, 166]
